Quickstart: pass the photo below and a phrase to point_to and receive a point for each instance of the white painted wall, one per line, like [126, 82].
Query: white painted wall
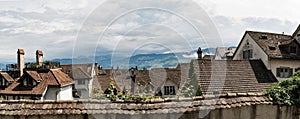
[65, 93]
[258, 53]
[277, 63]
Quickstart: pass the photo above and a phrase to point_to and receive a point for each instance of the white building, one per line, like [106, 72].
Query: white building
[279, 52]
[83, 75]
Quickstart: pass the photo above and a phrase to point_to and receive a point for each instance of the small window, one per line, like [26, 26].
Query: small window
[272, 48]
[264, 37]
[293, 49]
[247, 54]
[298, 34]
[169, 90]
[81, 82]
[68, 72]
[284, 72]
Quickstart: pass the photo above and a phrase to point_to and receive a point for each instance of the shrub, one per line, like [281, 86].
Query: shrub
[286, 92]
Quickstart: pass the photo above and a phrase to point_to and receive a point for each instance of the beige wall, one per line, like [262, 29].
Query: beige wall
[276, 63]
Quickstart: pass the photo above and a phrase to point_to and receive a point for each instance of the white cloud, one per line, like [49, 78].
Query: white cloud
[53, 25]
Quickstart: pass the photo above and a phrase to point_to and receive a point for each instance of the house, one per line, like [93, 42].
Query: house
[83, 75]
[5, 80]
[232, 76]
[223, 53]
[41, 84]
[37, 83]
[164, 82]
[280, 53]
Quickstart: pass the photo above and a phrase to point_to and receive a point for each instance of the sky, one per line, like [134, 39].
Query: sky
[82, 28]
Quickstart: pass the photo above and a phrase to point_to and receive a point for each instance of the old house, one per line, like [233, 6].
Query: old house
[83, 75]
[41, 84]
[36, 82]
[280, 53]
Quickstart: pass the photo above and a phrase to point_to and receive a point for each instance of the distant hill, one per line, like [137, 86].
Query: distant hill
[141, 60]
[2, 66]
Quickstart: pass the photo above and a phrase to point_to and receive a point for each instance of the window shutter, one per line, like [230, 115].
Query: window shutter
[277, 72]
[290, 72]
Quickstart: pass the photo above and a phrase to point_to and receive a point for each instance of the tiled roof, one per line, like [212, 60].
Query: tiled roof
[52, 77]
[78, 71]
[155, 106]
[266, 40]
[232, 76]
[103, 81]
[6, 77]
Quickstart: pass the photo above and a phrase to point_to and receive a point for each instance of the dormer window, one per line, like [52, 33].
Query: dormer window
[2, 82]
[264, 37]
[272, 48]
[293, 50]
[29, 82]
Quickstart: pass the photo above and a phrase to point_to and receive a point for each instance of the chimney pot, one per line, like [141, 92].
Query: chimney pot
[39, 58]
[199, 52]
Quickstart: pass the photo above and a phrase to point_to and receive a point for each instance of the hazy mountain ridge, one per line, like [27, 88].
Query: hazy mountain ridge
[141, 60]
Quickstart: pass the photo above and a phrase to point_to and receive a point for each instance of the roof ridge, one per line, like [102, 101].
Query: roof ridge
[266, 32]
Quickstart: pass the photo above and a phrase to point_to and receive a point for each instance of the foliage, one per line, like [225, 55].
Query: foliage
[286, 92]
[112, 94]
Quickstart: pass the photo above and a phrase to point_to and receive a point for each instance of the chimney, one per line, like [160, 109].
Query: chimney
[39, 58]
[21, 61]
[199, 52]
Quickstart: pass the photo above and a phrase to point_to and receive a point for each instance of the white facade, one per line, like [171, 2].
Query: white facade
[56, 93]
[248, 43]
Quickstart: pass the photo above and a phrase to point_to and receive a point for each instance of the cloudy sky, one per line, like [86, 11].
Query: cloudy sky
[74, 28]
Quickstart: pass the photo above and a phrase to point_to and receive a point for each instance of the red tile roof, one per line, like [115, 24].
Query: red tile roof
[45, 78]
[6, 77]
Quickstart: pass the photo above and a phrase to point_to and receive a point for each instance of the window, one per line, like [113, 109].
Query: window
[2, 82]
[293, 49]
[284, 72]
[272, 48]
[169, 90]
[81, 82]
[247, 54]
[68, 72]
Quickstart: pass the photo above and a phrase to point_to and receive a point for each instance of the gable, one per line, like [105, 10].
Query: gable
[296, 34]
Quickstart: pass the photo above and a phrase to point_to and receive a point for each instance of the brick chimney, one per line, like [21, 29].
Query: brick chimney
[39, 58]
[199, 52]
[21, 61]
